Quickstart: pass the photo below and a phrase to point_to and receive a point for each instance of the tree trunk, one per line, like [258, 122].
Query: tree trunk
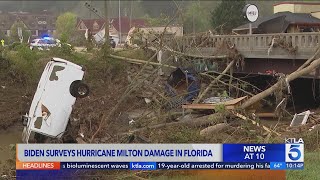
[289, 78]
[213, 129]
[192, 122]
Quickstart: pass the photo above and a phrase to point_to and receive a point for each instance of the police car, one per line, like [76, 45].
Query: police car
[45, 43]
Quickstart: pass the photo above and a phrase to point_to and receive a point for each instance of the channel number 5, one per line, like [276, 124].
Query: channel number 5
[294, 152]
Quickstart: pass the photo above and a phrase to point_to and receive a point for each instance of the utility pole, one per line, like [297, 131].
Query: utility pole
[130, 13]
[119, 22]
[106, 26]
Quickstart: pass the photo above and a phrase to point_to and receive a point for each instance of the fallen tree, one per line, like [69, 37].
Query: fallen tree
[213, 129]
[296, 74]
[192, 122]
[310, 59]
[140, 61]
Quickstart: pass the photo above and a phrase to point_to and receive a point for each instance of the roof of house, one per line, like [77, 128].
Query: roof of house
[30, 20]
[125, 23]
[90, 22]
[6, 21]
[300, 3]
[283, 20]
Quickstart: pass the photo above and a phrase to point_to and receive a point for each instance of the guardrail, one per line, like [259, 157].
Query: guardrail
[306, 40]
[304, 43]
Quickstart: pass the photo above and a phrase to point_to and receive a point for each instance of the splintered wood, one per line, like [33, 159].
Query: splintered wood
[255, 123]
[231, 104]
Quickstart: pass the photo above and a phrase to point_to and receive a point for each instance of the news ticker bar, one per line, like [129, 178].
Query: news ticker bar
[159, 165]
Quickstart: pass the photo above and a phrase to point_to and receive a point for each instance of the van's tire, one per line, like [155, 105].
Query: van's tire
[79, 89]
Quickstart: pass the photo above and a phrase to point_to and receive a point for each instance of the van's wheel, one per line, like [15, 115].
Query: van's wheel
[78, 89]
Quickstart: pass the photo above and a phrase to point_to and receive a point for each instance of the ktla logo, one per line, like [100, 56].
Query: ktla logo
[294, 150]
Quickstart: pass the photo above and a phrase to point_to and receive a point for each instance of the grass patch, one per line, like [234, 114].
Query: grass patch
[311, 170]
[24, 66]
[184, 135]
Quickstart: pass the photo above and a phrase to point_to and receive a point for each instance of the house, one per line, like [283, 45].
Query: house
[6, 22]
[296, 7]
[316, 14]
[38, 24]
[93, 25]
[174, 30]
[116, 25]
[123, 25]
[288, 18]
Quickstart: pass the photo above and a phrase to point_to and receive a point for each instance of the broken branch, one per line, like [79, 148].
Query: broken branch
[213, 82]
[204, 120]
[278, 85]
[140, 61]
[255, 123]
[195, 56]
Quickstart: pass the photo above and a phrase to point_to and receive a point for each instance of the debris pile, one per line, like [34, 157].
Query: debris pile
[151, 83]
[233, 117]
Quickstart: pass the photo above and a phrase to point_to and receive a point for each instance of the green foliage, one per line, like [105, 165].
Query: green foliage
[220, 108]
[162, 20]
[24, 68]
[78, 39]
[14, 32]
[311, 170]
[134, 53]
[184, 135]
[224, 94]
[228, 15]
[154, 8]
[66, 26]
[197, 15]
[14, 46]
[243, 86]
[4, 37]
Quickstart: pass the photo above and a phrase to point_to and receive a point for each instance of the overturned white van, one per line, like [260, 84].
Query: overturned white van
[59, 86]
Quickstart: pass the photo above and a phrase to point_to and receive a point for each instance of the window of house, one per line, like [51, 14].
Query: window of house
[42, 20]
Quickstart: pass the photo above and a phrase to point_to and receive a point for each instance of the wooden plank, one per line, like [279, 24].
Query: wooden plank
[234, 101]
[205, 106]
[255, 123]
[231, 104]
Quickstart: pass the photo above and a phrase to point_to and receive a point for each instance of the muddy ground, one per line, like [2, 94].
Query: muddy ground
[15, 100]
